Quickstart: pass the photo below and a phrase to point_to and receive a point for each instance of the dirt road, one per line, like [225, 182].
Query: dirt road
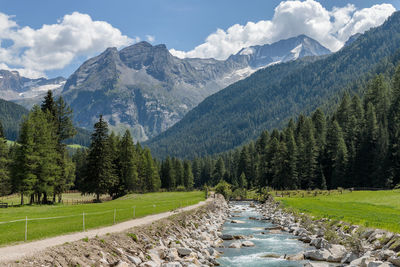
[17, 252]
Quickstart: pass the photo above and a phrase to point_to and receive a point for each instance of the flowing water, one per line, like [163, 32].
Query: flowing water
[276, 244]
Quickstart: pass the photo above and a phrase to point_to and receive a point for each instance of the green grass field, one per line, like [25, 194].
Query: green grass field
[69, 218]
[377, 209]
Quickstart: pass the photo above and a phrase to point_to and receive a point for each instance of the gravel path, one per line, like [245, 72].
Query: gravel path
[19, 251]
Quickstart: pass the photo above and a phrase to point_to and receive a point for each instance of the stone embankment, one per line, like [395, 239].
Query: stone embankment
[335, 241]
[185, 239]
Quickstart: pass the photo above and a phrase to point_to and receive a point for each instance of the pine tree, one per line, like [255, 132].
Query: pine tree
[394, 130]
[219, 171]
[167, 174]
[178, 171]
[127, 164]
[2, 131]
[242, 183]
[5, 182]
[152, 178]
[100, 175]
[188, 175]
[244, 163]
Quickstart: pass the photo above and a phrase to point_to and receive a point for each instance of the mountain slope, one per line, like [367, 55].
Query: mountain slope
[11, 115]
[16, 88]
[268, 98]
[146, 89]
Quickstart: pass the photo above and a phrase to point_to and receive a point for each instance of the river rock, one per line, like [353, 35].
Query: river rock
[237, 221]
[135, 260]
[121, 264]
[317, 255]
[338, 252]
[247, 244]
[184, 251]
[235, 245]
[227, 237]
[379, 264]
[149, 264]
[297, 257]
[172, 264]
[395, 260]
[319, 243]
[351, 256]
[316, 264]
[271, 255]
[238, 237]
[362, 262]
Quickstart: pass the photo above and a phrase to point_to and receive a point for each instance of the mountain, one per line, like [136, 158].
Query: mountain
[269, 97]
[16, 88]
[146, 89]
[10, 116]
[282, 51]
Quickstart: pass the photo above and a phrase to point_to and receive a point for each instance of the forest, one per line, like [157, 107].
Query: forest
[357, 146]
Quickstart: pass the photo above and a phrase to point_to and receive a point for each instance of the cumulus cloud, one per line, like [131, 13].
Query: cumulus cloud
[150, 38]
[331, 28]
[34, 51]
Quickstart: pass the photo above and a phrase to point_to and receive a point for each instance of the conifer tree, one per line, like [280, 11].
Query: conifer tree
[188, 175]
[394, 131]
[127, 164]
[152, 178]
[5, 182]
[100, 174]
[219, 171]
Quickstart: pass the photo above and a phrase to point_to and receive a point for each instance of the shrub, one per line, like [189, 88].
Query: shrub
[224, 189]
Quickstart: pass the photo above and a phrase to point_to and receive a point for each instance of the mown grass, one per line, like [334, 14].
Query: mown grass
[377, 209]
[96, 215]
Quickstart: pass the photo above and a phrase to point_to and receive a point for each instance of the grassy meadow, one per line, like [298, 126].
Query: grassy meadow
[69, 218]
[377, 209]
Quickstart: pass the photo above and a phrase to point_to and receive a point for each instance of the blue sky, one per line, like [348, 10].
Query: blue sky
[180, 24]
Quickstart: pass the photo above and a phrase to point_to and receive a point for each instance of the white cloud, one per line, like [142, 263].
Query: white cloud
[150, 38]
[34, 51]
[292, 18]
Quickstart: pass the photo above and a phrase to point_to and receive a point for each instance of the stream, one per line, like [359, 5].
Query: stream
[266, 244]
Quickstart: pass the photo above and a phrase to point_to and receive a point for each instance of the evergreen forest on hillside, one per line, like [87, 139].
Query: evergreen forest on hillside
[271, 96]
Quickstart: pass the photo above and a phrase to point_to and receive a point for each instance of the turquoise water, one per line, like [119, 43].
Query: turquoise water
[280, 244]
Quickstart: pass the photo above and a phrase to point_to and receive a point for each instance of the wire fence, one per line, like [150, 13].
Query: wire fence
[115, 215]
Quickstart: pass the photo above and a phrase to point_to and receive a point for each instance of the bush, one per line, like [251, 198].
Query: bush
[180, 188]
[224, 189]
[239, 193]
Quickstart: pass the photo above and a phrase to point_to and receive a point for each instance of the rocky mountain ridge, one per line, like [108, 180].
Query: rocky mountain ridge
[146, 89]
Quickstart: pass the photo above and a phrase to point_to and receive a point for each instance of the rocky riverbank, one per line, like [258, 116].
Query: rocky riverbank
[185, 239]
[335, 241]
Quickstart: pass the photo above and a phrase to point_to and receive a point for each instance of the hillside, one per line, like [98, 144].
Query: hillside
[269, 97]
[10, 116]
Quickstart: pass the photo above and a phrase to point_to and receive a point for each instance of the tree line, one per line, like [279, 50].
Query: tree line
[358, 145]
[39, 165]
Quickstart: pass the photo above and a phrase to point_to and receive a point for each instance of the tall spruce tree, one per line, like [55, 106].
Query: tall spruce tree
[188, 175]
[100, 173]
